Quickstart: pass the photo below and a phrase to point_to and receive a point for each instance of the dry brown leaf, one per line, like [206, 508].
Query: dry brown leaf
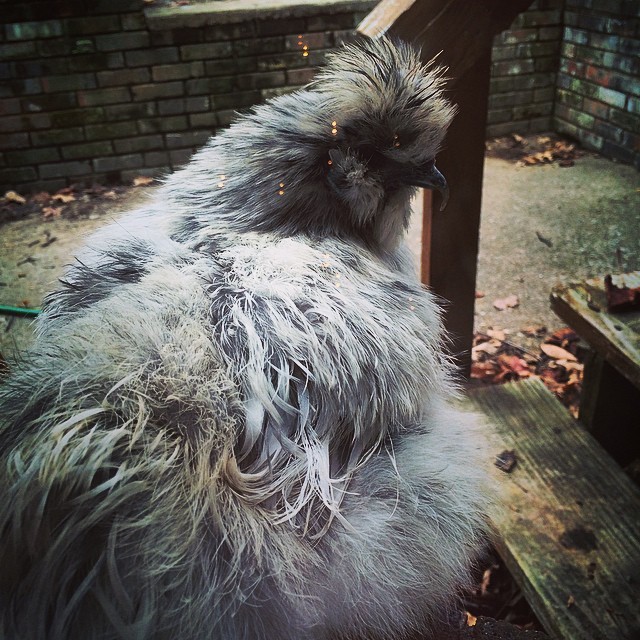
[13, 196]
[52, 212]
[497, 334]
[563, 336]
[490, 347]
[534, 331]
[570, 365]
[142, 181]
[514, 364]
[483, 370]
[557, 353]
[42, 197]
[64, 197]
[506, 303]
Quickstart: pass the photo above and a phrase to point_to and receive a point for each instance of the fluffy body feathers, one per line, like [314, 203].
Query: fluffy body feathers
[235, 421]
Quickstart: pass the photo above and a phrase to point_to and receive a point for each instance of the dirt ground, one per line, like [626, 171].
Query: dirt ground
[34, 248]
[542, 223]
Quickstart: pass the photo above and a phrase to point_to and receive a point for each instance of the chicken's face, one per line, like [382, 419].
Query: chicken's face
[387, 121]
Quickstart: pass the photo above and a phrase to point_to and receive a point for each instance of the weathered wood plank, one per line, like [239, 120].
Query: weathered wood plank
[567, 518]
[616, 337]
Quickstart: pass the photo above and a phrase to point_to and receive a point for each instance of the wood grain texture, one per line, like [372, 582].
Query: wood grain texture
[615, 336]
[567, 518]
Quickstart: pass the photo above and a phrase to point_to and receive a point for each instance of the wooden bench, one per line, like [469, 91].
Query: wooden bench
[567, 518]
[610, 407]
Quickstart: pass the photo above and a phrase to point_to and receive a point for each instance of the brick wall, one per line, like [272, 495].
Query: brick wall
[523, 72]
[598, 96]
[118, 91]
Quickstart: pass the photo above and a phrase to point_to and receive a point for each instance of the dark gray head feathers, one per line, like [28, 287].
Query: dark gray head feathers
[335, 157]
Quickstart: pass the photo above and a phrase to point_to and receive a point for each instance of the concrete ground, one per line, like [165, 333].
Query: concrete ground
[540, 225]
[547, 224]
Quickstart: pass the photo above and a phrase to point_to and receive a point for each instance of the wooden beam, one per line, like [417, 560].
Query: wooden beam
[455, 231]
[457, 31]
[460, 34]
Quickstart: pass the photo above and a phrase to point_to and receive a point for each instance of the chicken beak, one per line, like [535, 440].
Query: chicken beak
[428, 176]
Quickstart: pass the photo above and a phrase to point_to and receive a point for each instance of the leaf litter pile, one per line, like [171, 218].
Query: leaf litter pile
[74, 201]
[496, 360]
[533, 150]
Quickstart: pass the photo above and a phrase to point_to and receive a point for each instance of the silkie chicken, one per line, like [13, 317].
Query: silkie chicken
[237, 420]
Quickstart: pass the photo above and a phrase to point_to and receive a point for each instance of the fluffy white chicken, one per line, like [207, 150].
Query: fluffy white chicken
[235, 422]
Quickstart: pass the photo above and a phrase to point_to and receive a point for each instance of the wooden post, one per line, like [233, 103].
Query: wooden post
[455, 231]
[460, 34]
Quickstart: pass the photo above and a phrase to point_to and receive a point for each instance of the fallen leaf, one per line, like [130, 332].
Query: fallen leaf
[491, 347]
[544, 240]
[471, 619]
[563, 336]
[52, 212]
[557, 353]
[571, 365]
[42, 197]
[534, 331]
[13, 196]
[513, 364]
[506, 303]
[483, 370]
[64, 197]
[506, 461]
[142, 181]
[570, 602]
[497, 334]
